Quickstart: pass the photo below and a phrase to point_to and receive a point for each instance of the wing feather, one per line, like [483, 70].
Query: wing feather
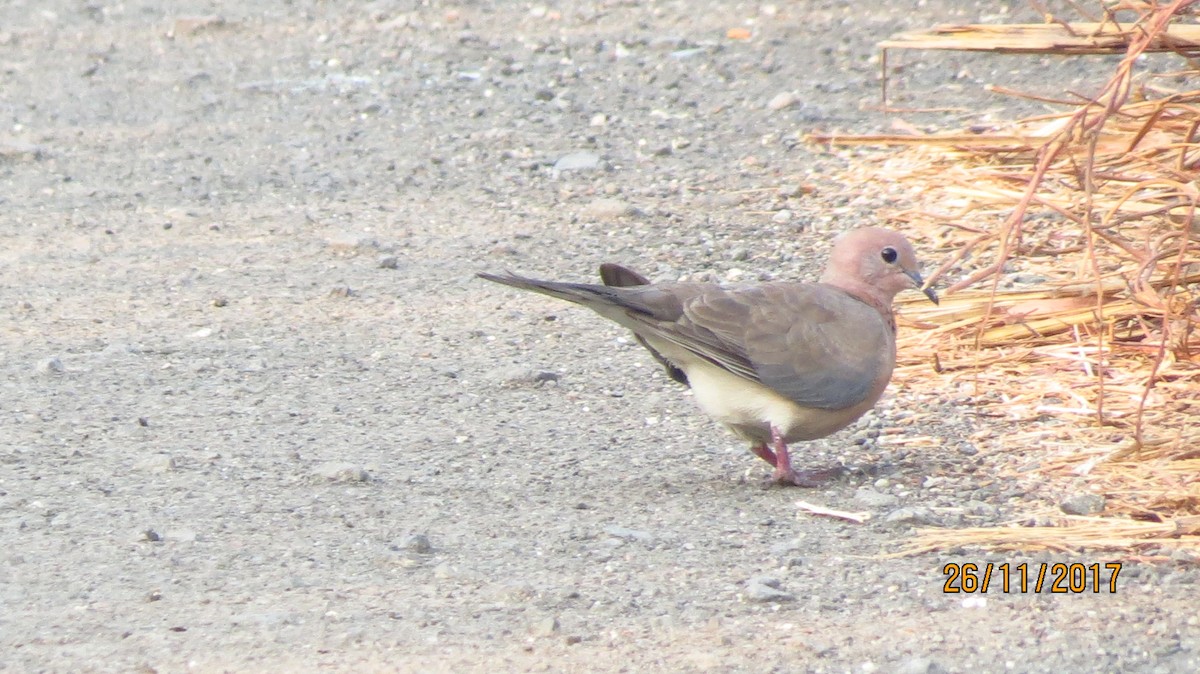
[815, 345]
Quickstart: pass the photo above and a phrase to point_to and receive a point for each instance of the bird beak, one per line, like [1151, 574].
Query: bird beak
[919, 282]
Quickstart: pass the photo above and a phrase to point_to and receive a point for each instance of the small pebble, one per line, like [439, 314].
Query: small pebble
[865, 436]
[758, 591]
[782, 216]
[156, 463]
[546, 627]
[607, 208]
[51, 366]
[785, 548]
[578, 161]
[874, 499]
[909, 516]
[1083, 503]
[340, 471]
[418, 543]
[791, 191]
[781, 101]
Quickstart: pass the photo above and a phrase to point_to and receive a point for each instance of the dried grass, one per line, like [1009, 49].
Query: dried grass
[1092, 342]
[1108, 37]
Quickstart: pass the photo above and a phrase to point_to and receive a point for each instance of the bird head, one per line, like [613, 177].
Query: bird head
[876, 263]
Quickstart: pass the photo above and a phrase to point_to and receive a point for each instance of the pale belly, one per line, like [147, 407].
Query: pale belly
[749, 409]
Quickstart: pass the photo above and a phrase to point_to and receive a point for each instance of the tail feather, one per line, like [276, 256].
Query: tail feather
[601, 299]
[588, 294]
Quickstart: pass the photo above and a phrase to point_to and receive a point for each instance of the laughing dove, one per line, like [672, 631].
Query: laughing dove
[775, 362]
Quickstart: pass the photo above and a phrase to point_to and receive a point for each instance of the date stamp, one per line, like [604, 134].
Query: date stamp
[1057, 578]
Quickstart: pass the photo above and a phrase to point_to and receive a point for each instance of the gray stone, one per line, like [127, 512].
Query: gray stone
[546, 627]
[781, 101]
[791, 191]
[418, 543]
[156, 463]
[51, 365]
[1083, 503]
[578, 161]
[341, 471]
[788, 547]
[910, 516]
[607, 208]
[873, 499]
[765, 589]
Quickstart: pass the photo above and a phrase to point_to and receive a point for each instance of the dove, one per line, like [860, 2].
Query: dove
[778, 362]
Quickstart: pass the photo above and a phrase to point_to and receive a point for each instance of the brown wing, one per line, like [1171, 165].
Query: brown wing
[812, 344]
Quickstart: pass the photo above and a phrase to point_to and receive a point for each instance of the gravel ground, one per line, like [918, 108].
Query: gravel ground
[256, 414]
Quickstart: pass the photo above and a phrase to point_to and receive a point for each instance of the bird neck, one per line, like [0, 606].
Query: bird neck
[867, 294]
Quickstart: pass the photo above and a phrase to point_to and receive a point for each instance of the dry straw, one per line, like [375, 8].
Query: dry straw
[1076, 310]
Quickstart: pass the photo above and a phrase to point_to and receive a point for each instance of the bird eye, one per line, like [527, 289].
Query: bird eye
[888, 255]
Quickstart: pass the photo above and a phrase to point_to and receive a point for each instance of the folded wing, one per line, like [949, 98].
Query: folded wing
[813, 344]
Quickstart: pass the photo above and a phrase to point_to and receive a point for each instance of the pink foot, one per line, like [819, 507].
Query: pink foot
[785, 475]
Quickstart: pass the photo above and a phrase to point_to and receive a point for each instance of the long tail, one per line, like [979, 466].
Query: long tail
[590, 295]
[612, 300]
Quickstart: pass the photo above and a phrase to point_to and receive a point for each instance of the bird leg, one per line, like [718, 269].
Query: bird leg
[760, 450]
[785, 475]
[783, 461]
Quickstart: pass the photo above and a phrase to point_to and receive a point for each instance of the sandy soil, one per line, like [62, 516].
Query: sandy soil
[256, 414]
